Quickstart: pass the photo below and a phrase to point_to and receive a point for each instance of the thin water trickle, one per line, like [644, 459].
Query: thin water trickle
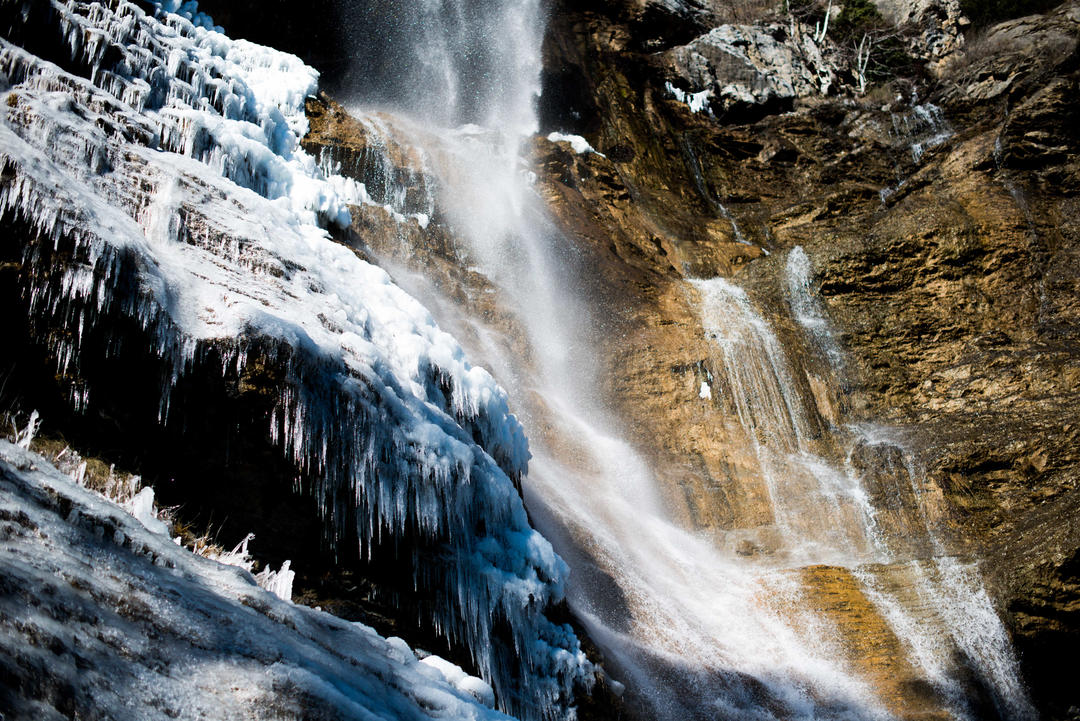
[807, 307]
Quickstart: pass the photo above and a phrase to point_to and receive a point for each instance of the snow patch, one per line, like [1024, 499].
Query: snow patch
[577, 143]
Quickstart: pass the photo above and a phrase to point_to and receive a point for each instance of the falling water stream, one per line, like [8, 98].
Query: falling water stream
[691, 628]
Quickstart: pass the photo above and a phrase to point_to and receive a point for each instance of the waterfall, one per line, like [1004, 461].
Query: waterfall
[921, 129]
[691, 632]
[450, 62]
[807, 307]
[692, 628]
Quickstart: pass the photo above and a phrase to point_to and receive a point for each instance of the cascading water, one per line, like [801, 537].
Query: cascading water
[693, 629]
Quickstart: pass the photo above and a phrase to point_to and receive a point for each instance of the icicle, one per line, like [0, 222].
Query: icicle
[279, 582]
[24, 437]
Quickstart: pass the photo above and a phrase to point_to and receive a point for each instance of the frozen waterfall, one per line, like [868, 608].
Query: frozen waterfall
[161, 181]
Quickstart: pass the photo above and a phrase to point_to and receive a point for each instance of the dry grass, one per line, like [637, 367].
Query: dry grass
[980, 50]
[117, 486]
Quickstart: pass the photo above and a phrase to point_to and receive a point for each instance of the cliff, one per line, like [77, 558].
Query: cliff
[177, 304]
[794, 339]
[936, 213]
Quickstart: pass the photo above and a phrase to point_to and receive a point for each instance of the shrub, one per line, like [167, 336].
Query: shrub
[857, 18]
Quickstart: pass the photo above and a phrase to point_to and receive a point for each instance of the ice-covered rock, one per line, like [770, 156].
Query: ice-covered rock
[750, 67]
[103, 618]
[577, 143]
[161, 159]
[462, 681]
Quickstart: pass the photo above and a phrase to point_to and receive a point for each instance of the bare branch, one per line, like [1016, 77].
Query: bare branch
[821, 28]
[862, 60]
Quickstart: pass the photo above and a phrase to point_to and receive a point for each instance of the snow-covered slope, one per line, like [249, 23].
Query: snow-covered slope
[162, 160]
[101, 618]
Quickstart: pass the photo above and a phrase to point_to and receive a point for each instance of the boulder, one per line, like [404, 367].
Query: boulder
[752, 68]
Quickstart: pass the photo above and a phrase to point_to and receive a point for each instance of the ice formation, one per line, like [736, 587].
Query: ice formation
[100, 617]
[705, 392]
[163, 158]
[25, 436]
[695, 101]
[142, 507]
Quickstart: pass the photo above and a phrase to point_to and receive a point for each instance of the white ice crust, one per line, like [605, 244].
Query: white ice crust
[137, 628]
[577, 143]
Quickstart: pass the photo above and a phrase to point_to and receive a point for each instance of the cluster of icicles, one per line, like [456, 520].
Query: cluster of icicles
[169, 168]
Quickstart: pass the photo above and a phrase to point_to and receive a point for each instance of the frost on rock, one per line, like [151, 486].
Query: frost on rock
[102, 618]
[163, 166]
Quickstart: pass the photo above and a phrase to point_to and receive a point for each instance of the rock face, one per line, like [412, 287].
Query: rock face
[935, 27]
[743, 67]
[941, 243]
